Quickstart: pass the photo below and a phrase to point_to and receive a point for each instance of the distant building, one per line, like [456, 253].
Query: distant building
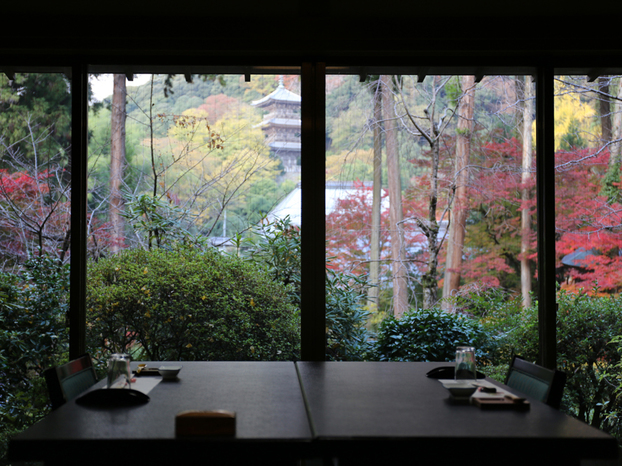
[282, 125]
[291, 205]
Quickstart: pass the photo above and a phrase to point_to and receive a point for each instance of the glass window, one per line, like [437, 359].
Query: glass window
[188, 182]
[430, 194]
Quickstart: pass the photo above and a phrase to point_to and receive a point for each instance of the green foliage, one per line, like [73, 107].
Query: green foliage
[428, 335]
[347, 338]
[611, 184]
[188, 304]
[573, 138]
[275, 247]
[33, 337]
[453, 90]
[158, 221]
[586, 324]
[39, 103]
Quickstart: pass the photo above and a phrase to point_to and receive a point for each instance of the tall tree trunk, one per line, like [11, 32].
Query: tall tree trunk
[611, 180]
[429, 280]
[374, 265]
[459, 208]
[396, 215]
[117, 161]
[604, 110]
[616, 148]
[525, 248]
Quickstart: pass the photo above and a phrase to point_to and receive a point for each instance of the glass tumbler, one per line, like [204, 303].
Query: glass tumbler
[465, 363]
[119, 367]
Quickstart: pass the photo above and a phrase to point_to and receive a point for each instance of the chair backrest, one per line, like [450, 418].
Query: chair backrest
[69, 380]
[536, 381]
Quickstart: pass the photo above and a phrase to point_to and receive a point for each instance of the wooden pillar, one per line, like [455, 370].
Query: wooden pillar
[545, 173]
[313, 176]
[77, 310]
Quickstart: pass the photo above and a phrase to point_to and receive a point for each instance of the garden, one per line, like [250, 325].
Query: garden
[194, 303]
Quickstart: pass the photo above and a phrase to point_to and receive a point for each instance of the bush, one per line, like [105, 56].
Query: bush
[33, 337]
[275, 247]
[586, 326]
[188, 304]
[347, 338]
[428, 335]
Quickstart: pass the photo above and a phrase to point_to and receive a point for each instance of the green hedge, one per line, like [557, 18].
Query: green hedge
[188, 304]
[428, 335]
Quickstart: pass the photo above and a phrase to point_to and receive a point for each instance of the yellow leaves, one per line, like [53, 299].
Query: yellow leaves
[253, 302]
[189, 345]
[148, 315]
[570, 110]
[145, 271]
[358, 164]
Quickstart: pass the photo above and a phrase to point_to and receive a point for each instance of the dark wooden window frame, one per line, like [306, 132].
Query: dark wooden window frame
[313, 73]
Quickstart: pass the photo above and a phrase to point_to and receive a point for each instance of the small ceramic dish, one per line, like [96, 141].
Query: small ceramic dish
[169, 372]
[460, 389]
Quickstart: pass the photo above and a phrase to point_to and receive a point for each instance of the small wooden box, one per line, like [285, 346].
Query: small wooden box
[204, 423]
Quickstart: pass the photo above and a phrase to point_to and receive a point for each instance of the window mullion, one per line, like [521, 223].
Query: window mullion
[545, 157]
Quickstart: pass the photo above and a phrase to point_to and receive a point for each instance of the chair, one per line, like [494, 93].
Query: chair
[536, 381]
[67, 381]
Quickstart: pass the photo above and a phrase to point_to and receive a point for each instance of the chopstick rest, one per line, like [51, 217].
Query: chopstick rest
[204, 423]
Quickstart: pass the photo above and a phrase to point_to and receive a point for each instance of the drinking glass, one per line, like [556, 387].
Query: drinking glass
[119, 366]
[465, 363]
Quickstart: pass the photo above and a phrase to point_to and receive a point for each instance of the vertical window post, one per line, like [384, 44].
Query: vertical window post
[313, 262]
[77, 296]
[545, 163]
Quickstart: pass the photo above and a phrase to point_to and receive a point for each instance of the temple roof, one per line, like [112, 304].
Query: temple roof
[285, 145]
[296, 123]
[280, 94]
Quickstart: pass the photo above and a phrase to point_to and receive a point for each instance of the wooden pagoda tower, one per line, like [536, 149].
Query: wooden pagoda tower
[282, 125]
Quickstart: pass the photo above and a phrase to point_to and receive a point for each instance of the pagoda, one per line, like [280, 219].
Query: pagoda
[282, 125]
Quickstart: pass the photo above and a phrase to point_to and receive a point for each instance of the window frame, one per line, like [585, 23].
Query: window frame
[313, 72]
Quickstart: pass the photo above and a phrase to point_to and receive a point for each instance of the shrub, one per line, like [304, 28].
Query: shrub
[586, 326]
[275, 247]
[347, 338]
[33, 337]
[188, 304]
[428, 335]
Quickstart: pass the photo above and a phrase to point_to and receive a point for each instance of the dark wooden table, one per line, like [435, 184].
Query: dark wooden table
[357, 412]
[367, 412]
[266, 397]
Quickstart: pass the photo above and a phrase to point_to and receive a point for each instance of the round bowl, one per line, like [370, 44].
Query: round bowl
[462, 390]
[169, 372]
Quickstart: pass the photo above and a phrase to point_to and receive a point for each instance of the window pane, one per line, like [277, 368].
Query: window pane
[588, 234]
[455, 191]
[35, 200]
[185, 256]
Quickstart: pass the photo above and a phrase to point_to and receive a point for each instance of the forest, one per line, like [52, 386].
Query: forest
[437, 176]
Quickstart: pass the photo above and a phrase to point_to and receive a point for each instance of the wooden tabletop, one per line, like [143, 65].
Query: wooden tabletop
[358, 407]
[265, 396]
[355, 411]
